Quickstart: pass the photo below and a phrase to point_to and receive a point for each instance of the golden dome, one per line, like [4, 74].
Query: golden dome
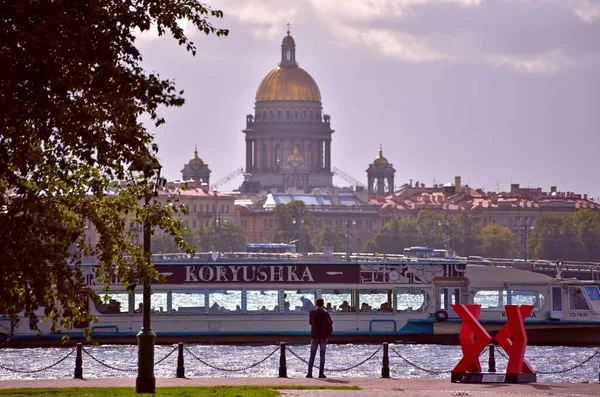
[380, 159]
[288, 40]
[196, 160]
[295, 157]
[288, 84]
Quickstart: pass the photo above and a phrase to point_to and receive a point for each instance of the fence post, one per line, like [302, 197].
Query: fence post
[282, 361]
[385, 363]
[180, 366]
[492, 359]
[79, 363]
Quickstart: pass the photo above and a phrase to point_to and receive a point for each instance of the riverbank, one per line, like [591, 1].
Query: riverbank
[370, 387]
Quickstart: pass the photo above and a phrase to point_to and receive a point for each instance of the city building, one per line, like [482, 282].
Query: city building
[288, 138]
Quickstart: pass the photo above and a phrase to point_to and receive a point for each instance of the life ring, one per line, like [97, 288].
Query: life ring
[441, 315]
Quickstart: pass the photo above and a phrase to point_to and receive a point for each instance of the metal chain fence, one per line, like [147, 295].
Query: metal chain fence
[337, 369]
[31, 371]
[558, 371]
[108, 365]
[167, 356]
[431, 371]
[231, 369]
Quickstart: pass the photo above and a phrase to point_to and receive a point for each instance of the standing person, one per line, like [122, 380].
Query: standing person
[321, 327]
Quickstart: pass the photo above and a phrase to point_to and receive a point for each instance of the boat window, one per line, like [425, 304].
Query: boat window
[224, 301]
[260, 301]
[557, 299]
[114, 304]
[300, 301]
[188, 301]
[490, 299]
[158, 302]
[337, 300]
[410, 300]
[496, 299]
[375, 300]
[577, 299]
[527, 298]
[593, 293]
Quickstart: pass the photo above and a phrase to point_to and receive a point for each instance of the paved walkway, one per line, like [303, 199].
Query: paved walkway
[371, 387]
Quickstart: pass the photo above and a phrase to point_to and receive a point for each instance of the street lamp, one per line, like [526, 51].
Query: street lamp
[301, 223]
[145, 381]
[349, 224]
[446, 226]
[526, 226]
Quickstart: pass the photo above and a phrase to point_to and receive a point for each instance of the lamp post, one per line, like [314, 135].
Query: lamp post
[349, 224]
[217, 225]
[300, 222]
[526, 226]
[446, 226]
[145, 381]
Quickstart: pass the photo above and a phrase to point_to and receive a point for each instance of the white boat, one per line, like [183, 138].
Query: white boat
[404, 300]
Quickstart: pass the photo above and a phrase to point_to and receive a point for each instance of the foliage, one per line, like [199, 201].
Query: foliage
[229, 237]
[394, 237]
[575, 237]
[431, 230]
[330, 236]
[465, 235]
[293, 222]
[71, 93]
[498, 242]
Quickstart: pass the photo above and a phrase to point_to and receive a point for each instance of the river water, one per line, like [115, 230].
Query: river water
[558, 364]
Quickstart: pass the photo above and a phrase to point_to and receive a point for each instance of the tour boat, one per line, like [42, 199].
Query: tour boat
[404, 300]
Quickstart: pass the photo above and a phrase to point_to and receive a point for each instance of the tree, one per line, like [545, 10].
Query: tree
[330, 236]
[498, 242]
[431, 230]
[293, 222]
[575, 237]
[231, 237]
[466, 235]
[547, 240]
[394, 237]
[71, 93]
[587, 229]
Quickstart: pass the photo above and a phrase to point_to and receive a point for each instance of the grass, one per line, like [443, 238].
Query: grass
[205, 391]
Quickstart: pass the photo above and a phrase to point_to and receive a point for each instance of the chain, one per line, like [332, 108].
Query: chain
[338, 369]
[501, 352]
[40, 369]
[167, 356]
[559, 371]
[431, 371]
[297, 356]
[562, 371]
[107, 365]
[232, 369]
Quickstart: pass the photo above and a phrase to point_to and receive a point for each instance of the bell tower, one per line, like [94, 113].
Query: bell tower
[380, 176]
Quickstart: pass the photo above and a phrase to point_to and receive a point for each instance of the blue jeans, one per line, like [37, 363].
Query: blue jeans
[314, 344]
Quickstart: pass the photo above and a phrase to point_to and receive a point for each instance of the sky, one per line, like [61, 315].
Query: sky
[495, 91]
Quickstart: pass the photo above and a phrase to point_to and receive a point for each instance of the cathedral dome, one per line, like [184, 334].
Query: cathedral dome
[288, 40]
[196, 160]
[380, 160]
[288, 82]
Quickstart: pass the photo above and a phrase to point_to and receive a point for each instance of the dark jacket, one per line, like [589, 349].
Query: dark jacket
[318, 320]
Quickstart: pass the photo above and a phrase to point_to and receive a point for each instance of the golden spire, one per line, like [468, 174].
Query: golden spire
[196, 160]
[380, 159]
